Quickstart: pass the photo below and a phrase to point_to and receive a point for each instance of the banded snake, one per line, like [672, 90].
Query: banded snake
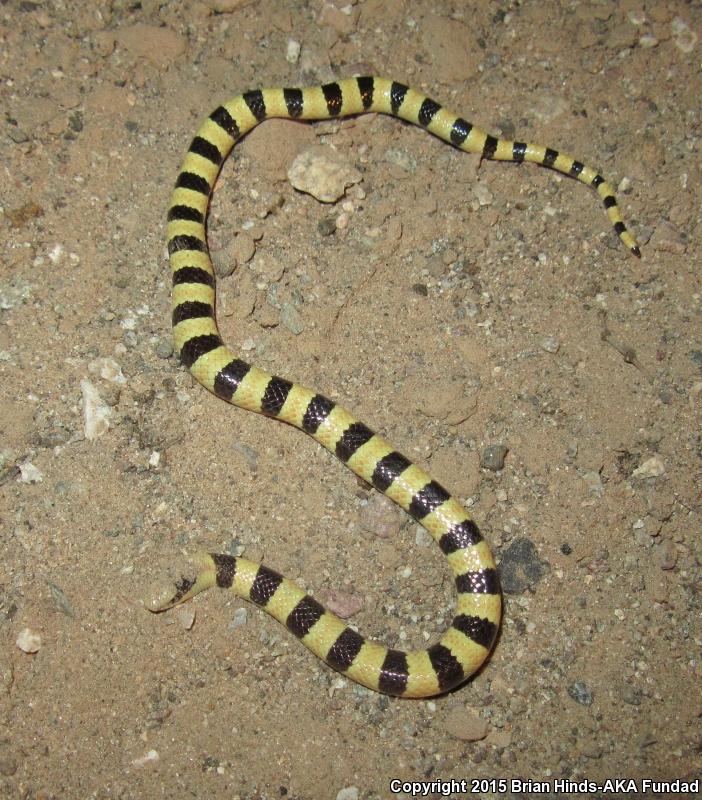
[466, 643]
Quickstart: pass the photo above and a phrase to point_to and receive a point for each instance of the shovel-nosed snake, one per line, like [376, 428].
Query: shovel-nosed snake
[466, 643]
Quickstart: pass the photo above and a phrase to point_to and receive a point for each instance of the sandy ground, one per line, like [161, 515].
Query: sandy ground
[456, 307]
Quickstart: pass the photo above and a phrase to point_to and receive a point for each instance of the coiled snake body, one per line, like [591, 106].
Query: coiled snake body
[466, 643]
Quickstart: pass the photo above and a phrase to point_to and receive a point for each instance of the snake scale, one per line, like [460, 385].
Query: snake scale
[467, 641]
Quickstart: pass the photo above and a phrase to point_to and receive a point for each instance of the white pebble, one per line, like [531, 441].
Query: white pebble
[651, 468]
[55, 253]
[186, 617]
[108, 369]
[347, 793]
[323, 173]
[292, 53]
[28, 641]
[150, 758]
[96, 413]
[238, 619]
[550, 344]
[30, 474]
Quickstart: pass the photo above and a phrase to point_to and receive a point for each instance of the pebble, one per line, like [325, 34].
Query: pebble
[422, 538]
[108, 369]
[96, 413]
[324, 173]
[580, 692]
[521, 568]
[648, 41]
[164, 348]
[291, 319]
[186, 616]
[493, 457]
[239, 618]
[651, 468]
[29, 473]
[292, 51]
[550, 344]
[593, 481]
[14, 294]
[465, 724]
[343, 604]
[28, 641]
[483, 194]
[401, 158]
[150, 758]
[666, 555]
[347, 793]
[326, 226]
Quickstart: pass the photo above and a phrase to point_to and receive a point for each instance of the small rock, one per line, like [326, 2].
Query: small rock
[108, 369]
[666, 555]
[422, 538]
[521, 567]
[483, 194]
[290, 317]
[651, 468]
[238, 619]
[96, 413]
[150, 758]
[326, 226]
[28, 641]
[186, 617]
[465, 724]
[593, 481]
[550, 344]
[493, 457]
[164, 348]
[323, 173]
[347, 793]
[29, 473]
[343, 604]
[292, 51]
[580, 692]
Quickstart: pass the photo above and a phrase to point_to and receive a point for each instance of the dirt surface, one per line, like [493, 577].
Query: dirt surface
[454, 306]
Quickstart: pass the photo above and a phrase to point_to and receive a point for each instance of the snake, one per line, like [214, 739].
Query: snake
[467, 641]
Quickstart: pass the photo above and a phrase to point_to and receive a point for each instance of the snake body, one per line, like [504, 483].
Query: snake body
[467, 641]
